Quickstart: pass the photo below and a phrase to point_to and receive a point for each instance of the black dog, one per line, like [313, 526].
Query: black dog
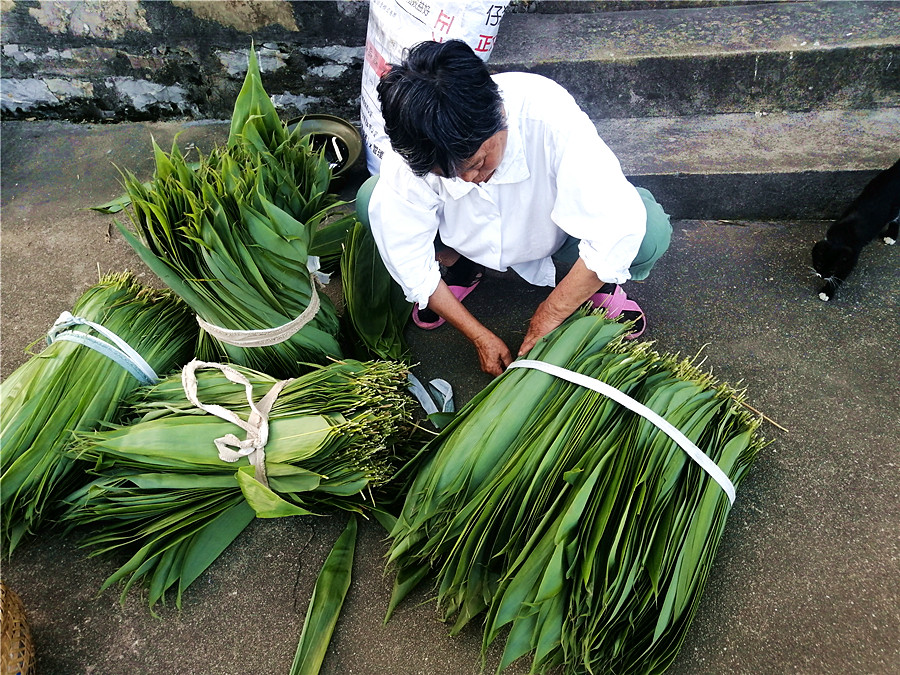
[876, 211]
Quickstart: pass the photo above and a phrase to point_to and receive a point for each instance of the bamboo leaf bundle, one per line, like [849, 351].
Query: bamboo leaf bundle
[376, 311]
[163, 494]
[231, 234]
[69, 387]
[572, 525]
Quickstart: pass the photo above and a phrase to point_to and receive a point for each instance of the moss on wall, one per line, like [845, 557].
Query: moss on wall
[243, 15]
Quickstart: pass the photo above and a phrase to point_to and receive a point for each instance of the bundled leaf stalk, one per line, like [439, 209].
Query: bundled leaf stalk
[162, 492]
[232, 234]
[376, 311]
[69, 387]
[573, 526]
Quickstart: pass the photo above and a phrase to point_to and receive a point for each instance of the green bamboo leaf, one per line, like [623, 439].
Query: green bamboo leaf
[159, 581]
[550, 627]
[253, 102]
[332, 433]
[120, 203]
[69, 388]
[376, 311]
[298, 481]
[520, 640]
[385, 519]
[405, 581]
[325, 604]
[329, 239]
[164, 165]
[264, 501]
[129, 567]
[190, 229]
[175, 481]
[214, 538]
[159, 267]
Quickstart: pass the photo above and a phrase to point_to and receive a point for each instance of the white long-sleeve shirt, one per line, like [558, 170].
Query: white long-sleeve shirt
[556, 178]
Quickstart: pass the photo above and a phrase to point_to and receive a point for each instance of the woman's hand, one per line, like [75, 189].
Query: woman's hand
[545, 319]
[576, 287]
[492, 352]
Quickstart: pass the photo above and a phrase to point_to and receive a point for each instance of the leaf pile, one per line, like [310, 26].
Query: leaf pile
[231, 234]
[69, 387]
[569, 524]
[335, 433]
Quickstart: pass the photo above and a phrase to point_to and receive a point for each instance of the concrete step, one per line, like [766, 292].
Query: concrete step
[720, 59]
[744, 166]
[731, 111]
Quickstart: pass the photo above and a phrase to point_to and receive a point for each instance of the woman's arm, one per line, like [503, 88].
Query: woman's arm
[575, 288]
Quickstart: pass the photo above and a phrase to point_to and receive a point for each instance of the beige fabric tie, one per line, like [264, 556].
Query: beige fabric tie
[266, 337]
[229, 446]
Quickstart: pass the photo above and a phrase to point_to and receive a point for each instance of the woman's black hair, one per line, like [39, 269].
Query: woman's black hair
[439, 105]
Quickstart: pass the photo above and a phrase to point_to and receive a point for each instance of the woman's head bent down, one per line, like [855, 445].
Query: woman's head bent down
[440, 106]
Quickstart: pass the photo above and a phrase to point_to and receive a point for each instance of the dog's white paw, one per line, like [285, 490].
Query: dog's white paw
[890, 241]
[824, 297]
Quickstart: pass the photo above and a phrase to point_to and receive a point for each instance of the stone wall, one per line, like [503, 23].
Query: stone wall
[117, 60]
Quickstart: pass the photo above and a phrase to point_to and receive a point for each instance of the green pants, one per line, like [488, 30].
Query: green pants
[655, 243]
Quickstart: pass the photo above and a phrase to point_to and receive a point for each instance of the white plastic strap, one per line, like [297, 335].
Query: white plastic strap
[683, 441]
[437, 389]
[119, 351]
[230, 447]
[266, 337]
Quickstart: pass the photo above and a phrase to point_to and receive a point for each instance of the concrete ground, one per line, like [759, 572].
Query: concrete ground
[807, 579]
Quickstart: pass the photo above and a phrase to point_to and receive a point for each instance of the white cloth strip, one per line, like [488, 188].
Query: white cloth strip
[119, 351]
[443, 393]
[266, 337]
[695, 453]
[229, 446]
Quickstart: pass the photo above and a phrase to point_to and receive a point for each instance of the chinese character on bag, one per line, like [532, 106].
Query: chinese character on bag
[442, 25]
[485, 43]
[494, 14]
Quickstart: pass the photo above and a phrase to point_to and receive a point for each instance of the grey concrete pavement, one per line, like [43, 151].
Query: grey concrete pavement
[807, 576]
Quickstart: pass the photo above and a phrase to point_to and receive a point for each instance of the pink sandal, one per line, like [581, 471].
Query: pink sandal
[615, 304]
[461, 292]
